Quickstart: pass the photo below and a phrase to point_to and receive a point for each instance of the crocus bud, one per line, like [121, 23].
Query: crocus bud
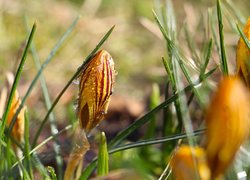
[190, 163]
[227, 121]
[18, 129]
[243, 56]
[95, 89]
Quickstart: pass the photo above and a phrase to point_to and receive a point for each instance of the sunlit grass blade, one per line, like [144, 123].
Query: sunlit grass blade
[16, 80]
[168, 70]
[89, 169]
[207, 58]
[176, 55]
[154, 101]
[38, 165]
[243, 36]
[212, 23]
[154, 141]
[191, 45]
[224, 66]
[53, 125]
[168, 127]
[186, 74]
[27, 146]
[103, 157]
[169, 36]
[168, 67]
[49, 58]
[41, 145]
[88, 58]
[143, 120]
[147, 117]
[232, 7]
[52, 173]
[170, 19]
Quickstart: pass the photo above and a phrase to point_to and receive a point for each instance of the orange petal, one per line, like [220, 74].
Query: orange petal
[190, 162]
[18, 128]
[95, 89]
[227, 122]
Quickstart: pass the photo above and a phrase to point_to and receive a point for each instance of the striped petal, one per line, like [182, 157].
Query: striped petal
[95, 89]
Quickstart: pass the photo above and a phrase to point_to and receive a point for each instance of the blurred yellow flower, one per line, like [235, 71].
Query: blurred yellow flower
[227, 122]
[18, 129]
[243, 56]
[190, 163]
[95, 89]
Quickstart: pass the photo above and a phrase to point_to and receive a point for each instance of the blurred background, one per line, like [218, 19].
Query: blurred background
[136, 43]
[136, 46]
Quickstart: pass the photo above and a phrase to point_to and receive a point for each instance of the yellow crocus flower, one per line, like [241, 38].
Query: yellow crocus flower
[190, 163]
[18, 129]
[227, 121]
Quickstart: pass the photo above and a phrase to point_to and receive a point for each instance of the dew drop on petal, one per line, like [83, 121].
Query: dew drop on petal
[76, 81]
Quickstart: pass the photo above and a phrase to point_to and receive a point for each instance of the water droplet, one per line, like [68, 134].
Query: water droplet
[75, 105]
[103, 112]
[76, 81]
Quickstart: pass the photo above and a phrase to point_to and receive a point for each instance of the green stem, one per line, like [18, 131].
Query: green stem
[16, 80]
[224, 66]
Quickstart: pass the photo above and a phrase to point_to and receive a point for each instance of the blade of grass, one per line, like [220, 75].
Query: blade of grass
[224, 66]
[89, 169]
[42, 144]
[229, 17]
[147, 117]
[103, 157]
[169, 31]
[154, 101]
[168, 67]
[53, 125]
[168, 128]
[154, 141]
[191, 46]
[170, 19]
[186, 74]
[6, 171]
[80, 69]
[16, 81]
[168, 70]
[52, 173]
[208, 51]
[212, 23]
[39, 166]
[27, 146]
[207, 58]
[49, 58]
[243, 36]
[177, 56]
[235, 10]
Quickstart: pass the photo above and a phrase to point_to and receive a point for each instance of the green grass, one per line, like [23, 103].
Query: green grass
[184, 90]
